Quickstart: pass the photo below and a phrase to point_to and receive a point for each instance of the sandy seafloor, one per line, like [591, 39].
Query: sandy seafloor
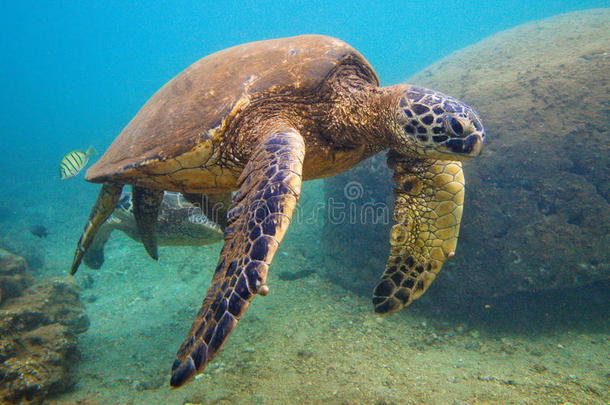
[308, 341]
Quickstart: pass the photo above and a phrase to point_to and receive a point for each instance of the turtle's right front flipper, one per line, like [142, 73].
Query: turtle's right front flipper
[106, 201]
[269, 188]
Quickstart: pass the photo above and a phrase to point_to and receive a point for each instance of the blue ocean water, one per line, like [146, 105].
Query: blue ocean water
[74, 73]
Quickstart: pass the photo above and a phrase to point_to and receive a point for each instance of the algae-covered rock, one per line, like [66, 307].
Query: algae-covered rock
[537, 213]
[13, 277]
[38, 327]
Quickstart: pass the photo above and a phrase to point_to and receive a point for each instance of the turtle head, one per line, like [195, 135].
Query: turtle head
[437, 126]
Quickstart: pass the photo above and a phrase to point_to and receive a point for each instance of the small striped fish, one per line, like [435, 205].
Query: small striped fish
[74, 162]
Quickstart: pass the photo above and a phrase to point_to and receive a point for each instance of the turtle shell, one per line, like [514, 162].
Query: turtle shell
[189, 112]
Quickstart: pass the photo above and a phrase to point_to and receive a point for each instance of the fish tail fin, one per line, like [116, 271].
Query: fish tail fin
[91, 151]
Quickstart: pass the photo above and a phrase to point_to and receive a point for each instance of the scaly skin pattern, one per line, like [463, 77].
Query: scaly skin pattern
[429, 196]
[270, 188]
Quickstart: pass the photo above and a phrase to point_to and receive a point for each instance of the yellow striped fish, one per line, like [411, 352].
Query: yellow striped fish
[74, 162]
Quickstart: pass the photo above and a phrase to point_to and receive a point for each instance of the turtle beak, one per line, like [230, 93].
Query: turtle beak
[466, 136]
[477, 147]
[467, 147]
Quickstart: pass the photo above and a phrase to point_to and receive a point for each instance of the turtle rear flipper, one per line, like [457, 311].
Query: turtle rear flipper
[429, 196]
[104, 205]
[269, 188]
[146, 203]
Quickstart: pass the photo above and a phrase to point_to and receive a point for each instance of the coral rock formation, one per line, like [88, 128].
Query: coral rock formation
[38, 324]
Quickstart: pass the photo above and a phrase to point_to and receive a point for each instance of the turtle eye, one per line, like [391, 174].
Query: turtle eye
[457, 126]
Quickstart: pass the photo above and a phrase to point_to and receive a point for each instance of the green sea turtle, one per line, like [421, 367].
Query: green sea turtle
[258, 119]
[179, 223]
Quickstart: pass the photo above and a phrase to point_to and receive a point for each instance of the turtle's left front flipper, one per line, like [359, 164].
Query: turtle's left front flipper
[428, 200]
[269, 188]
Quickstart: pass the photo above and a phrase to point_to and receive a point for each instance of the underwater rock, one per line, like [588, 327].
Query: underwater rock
[38, 327]
[537, 213]
[13, 277]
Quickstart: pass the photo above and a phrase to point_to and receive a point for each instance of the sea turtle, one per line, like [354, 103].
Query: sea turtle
[179, 223]
[258, 119]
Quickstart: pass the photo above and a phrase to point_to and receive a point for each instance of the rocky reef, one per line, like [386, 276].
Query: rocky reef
[537, 212]
[38, 327]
